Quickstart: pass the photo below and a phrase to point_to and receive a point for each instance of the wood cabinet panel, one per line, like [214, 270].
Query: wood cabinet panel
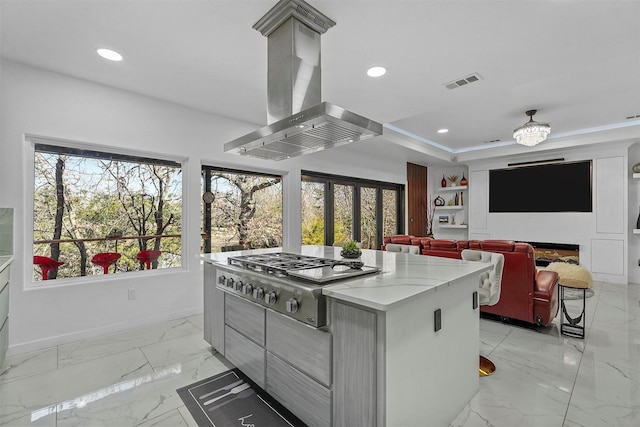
[213, 310]
[306, 348]
[245, 355]
[354, 366]
[245, 317]
[416, 192]
[303, 396]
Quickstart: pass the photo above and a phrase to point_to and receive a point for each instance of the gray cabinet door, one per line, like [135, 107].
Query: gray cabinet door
[213, 310]
[303, 396]
[354, 364]
[245, 355]
[308, 349]
[245, 317]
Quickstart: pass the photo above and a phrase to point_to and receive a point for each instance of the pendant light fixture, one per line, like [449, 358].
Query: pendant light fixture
[531, 133]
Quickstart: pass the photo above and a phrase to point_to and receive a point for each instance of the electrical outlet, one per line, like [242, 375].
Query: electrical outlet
[132, 293]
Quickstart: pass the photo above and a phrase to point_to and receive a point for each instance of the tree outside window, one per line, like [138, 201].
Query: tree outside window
[88, 202]
[241, 210]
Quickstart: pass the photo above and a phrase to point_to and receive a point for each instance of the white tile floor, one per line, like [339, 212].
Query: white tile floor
[542, 379]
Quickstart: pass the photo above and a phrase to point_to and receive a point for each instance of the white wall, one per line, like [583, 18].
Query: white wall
[601, 234]
[634, 213]
[39, 102]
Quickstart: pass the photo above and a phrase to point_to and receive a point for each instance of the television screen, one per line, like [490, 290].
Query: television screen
[558, 187]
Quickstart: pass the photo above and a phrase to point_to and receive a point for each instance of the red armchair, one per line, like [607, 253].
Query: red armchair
[527, 294]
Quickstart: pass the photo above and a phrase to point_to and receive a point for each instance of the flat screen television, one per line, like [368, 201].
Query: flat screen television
[557, 187]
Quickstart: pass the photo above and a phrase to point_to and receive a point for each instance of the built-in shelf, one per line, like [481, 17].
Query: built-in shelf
[454, 188]
[454, 207]
[453, 226]
[636, 231]
[636, 175]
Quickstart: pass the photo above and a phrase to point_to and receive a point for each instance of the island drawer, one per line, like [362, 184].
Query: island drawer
[245, 317]
[303, 396]
[245, 355]
[306, 348]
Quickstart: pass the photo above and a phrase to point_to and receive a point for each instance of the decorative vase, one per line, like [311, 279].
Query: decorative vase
[443, 183]
[464, 181]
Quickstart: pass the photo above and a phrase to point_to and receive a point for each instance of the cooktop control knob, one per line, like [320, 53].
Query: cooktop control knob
[247, 289]
[292, 305]
[222, 279]
[229, 282]
[239, 285]
[271, 298]
[258, 293]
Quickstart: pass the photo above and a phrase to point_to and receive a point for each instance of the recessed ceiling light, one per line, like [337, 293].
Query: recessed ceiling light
[376, 71]
[109, 54]
[443, 130]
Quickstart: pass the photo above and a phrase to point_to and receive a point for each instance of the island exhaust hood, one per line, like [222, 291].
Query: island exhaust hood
[299, 123]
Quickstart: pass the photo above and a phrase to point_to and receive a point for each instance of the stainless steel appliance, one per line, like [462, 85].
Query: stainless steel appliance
[288, 283]
[298, 122]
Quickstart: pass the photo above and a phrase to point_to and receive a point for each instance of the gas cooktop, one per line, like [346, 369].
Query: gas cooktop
[308, 268]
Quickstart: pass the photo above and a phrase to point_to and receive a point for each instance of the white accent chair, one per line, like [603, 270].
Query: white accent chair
[489, 289]
[407, 249]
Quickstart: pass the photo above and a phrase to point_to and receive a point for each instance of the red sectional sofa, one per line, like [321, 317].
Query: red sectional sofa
[527, 294]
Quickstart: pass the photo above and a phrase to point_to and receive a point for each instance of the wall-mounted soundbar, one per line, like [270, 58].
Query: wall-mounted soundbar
[536, 162]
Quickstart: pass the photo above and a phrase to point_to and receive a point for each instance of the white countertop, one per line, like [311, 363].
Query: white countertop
[5, 260]
[402, 276]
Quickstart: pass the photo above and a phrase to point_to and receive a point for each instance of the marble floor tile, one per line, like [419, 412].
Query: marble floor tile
[605, 394]
[517, 395]
[197, 320]
[85, 350]
[184, 348]
[150, 397]
[543, 378]
[28, 364]
[170, 419]
[37, 393]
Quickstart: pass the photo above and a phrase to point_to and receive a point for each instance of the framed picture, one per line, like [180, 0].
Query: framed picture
[443, 219]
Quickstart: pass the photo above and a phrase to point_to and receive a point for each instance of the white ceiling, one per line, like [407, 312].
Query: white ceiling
[577, 62]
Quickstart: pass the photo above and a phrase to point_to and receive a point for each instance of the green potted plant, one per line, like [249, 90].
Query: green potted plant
[350, 250]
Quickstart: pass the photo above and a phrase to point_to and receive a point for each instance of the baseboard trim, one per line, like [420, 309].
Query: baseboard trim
[44, 343]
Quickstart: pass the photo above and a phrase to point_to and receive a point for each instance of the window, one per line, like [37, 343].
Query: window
[337, 208]
[241, 210]
[91, 203]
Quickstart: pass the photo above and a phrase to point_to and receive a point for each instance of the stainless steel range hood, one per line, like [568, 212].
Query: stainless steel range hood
[299, 123]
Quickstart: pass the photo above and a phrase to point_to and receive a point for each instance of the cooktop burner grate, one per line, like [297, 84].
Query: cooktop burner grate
[308, 268]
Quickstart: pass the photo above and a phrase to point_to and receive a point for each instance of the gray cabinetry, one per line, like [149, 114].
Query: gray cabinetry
[354, 359]
[306, 348]
[310, 401]
[213, 310]
[245, 355]
[245, 317]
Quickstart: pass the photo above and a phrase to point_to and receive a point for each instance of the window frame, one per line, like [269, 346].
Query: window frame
[72, 147]
[205, 176]
[330, 181]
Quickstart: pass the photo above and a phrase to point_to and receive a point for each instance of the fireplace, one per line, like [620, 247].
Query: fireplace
[547, 253]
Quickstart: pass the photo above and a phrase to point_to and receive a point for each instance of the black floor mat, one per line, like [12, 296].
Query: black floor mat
[231, 399]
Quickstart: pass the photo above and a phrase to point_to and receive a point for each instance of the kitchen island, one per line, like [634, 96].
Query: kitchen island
[397, 348]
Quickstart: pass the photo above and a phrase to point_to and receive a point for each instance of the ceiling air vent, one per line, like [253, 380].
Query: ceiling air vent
[637, 116]
[463, 81]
